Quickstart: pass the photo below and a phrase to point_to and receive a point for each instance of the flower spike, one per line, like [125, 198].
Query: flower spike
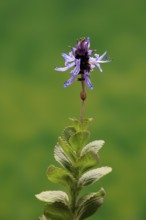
[80, 58]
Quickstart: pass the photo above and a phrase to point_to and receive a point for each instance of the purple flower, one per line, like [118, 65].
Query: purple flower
[80, 58]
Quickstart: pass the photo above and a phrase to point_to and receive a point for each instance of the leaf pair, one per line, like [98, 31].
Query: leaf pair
[57, 207]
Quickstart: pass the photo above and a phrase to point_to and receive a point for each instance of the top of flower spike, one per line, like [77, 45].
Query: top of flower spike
[80, 58]
[82, 46]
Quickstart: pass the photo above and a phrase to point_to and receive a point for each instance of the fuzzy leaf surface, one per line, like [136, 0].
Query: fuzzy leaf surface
[61, 157]
[68, 132]
[79, 140]
[88, 204]
[80, 126]
[57, 211]
[93, 175]
[67, 148]
[87, 161]
[53, 196]
[59, 175]
[94, 146]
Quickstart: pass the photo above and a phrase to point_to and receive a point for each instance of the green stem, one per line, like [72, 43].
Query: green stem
[82, 111]
[74, 199]
[83, 98]
[74, 194]
[74, 191]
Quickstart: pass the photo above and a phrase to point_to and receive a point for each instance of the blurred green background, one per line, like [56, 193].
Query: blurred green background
[34, 106]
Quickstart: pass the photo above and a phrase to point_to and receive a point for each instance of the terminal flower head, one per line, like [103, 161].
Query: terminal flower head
[82, 63]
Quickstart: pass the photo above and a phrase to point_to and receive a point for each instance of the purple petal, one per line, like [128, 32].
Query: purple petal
[71, 54]
[103, 59]
[87, 80]
[92, 66]
[76, 69]
[74, 49]
[98, 65]
[92, 62]
[62, 69]
[90, 52]
[68, 58]
[102, 56]
[97, 56]
[68, 82]
[88, 42]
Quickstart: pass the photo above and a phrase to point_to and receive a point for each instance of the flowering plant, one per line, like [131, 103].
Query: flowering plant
[78, 159]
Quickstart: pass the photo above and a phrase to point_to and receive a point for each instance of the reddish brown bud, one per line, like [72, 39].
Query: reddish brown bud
[83, 95]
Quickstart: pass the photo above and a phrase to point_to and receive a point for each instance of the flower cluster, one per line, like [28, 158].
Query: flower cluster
[80, 58]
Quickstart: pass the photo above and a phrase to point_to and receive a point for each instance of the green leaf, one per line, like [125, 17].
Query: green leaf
[85, 123]
[53, 196]
[57, 211]
[89, 156]
[81, 126]
[57, 207]
[87, 161]
[76, 124]
[93, 175]
[88, 204]
[79, 140]
[68, 132]
[61, 157]
[93, 146]
[67, 149]
[59, 175]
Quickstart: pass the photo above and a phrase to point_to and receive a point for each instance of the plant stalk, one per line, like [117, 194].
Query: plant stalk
[83, 98]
